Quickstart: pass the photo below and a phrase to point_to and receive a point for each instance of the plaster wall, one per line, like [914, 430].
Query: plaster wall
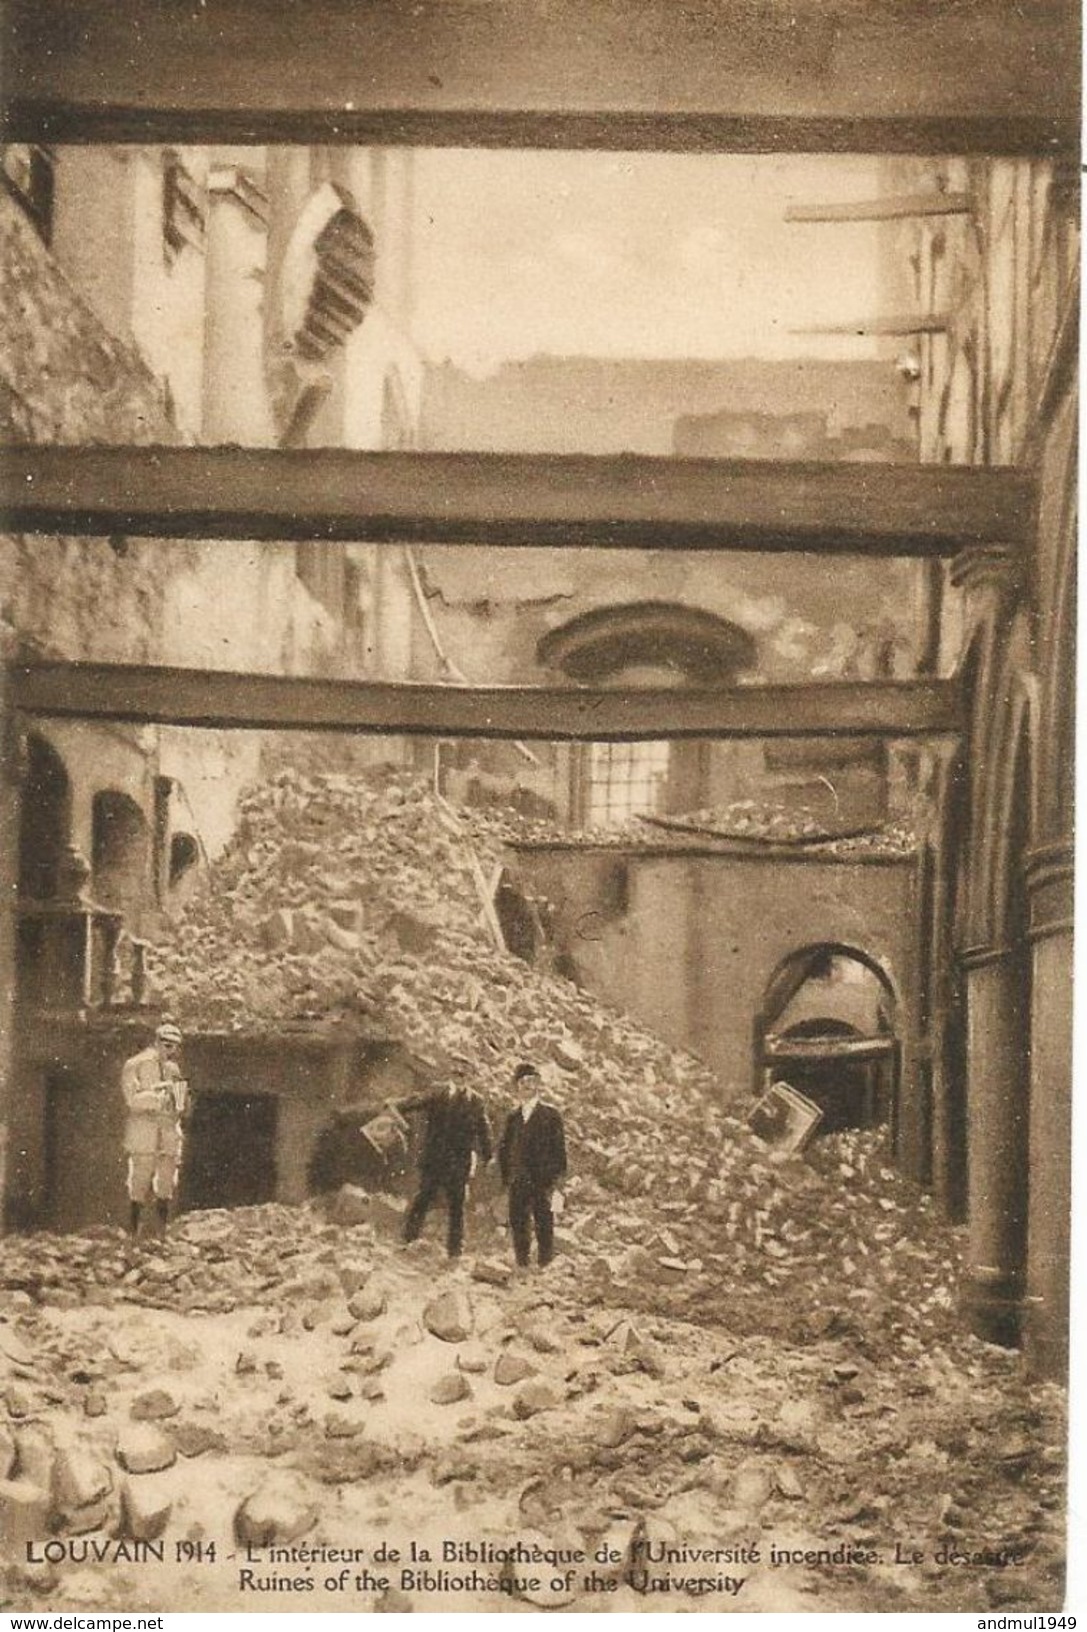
[687, 942]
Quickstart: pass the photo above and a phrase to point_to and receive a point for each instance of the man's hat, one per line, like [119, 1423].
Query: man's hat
[525, 1069]
[168, 1033]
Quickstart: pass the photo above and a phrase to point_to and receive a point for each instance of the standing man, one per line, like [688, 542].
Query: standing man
[455, 1134]
[156, 1098]
[532, 1159]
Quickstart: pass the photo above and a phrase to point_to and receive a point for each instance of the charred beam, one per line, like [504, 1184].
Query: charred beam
[701, 75]
[627, 500]
[136, 694]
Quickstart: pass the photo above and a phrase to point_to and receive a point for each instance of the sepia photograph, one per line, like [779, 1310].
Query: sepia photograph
[537, 725]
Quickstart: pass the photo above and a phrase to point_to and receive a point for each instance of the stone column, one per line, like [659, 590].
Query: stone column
[994, 960]
[9, 888]
[1049, 886]
[236, 405]
[997, 1030]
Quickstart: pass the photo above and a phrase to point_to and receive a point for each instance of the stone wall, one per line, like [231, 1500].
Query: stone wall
[686, 941]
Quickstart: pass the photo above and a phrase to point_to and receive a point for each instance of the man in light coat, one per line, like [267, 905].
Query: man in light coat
[156, 1099]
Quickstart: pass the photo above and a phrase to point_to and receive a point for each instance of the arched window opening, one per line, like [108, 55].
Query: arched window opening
[184, 855]
[645, 643]
[828, 1029]
[44, 821]
[120, 852]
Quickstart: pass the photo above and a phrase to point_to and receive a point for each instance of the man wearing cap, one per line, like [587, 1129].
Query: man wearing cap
[156, 1098]
[456, 1133]
[532, 1160]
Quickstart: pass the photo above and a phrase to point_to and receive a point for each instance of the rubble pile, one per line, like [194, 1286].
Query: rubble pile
[360, 896]
[738, 1236]
[213, 1262]
[752, 822]
[746, 821]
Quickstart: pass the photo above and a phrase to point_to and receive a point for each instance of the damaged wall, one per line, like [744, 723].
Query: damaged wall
[666, 935]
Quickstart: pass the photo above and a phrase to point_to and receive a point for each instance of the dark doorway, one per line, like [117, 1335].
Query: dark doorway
[231, 1155]
[72, 1188]
[44, 822]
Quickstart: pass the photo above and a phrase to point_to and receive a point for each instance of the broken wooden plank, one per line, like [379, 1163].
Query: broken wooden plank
[614, 501]
[223, 700]
[682, 75]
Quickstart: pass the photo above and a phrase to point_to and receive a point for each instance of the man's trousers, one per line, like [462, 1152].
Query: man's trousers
[531, 1206]
[431, 1186]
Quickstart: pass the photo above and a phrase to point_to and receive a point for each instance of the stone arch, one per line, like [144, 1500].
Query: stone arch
[848, 1062]
[45, 820]
[120, 852]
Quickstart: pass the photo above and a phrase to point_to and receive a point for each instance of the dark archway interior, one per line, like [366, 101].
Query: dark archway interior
[120, 851]
[45, 821]
[517, 920]
[833, 1011]
[184, 855]
[850, 1093]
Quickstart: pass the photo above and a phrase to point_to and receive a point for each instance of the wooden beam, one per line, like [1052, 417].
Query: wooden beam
[828, 1048]
[627, 500]
[141, 695]
[903, 207]
[903, 323]
[685, 75]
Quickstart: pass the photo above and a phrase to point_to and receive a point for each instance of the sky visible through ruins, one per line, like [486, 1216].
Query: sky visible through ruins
[637, 255]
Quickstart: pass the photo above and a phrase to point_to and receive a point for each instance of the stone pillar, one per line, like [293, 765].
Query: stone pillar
[997, 1025]
[236, 407]
[1049, 886]
[9, 888]
[995, 969]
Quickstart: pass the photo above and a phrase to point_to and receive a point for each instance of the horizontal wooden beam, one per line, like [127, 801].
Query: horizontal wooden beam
[900, 207]
[620, 501]
[690, 75]
[846, 1049]
[142, 695]
[897, 323]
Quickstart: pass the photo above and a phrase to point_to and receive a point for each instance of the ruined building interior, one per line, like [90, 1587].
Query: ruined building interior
[873, 906]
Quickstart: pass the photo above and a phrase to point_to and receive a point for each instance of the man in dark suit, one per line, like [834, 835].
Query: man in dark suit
[532, 1159]
[455, 1133]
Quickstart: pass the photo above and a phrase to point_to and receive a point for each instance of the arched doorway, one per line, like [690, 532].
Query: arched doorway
[828, 1028]
[120, 852]
[44, 821]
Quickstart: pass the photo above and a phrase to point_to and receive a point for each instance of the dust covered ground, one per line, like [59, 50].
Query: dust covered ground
[645, 1420]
